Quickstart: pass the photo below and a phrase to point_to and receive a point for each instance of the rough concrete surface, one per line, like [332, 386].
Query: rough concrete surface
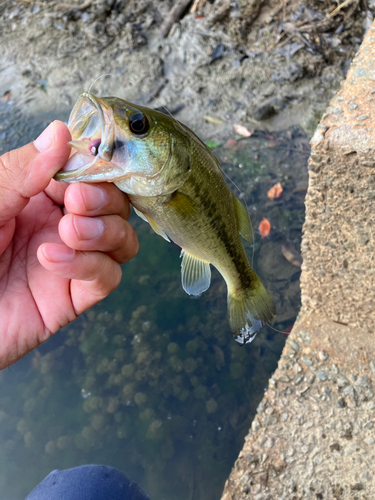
[314, 434]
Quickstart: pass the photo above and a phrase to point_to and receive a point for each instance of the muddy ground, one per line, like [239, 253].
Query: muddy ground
[264, 64]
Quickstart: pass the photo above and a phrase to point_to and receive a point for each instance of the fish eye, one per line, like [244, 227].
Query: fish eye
[94, 147]
[138, 123]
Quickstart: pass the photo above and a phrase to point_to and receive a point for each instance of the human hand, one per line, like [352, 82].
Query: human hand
[60, 246]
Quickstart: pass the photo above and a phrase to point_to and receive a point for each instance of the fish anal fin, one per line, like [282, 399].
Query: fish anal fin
[195, 274]
[243, 221]
[155, 226]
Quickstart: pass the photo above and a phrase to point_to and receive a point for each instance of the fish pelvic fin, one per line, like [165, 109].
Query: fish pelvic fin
[195, 274]
[158, 230]
[243, 221]
[249, 310]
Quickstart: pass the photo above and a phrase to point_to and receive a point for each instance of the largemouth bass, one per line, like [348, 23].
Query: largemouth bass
[175, 183]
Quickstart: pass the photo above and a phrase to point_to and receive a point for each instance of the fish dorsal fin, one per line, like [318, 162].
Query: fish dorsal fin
[243, 222]
[155, 226]
[195, 274]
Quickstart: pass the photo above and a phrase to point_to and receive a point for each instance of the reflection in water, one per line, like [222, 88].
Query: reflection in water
[151, 381]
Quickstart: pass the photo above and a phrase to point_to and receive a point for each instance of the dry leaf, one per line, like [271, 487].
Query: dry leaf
[291, 254]
[240, 129]
[275, 192]
[264, 227]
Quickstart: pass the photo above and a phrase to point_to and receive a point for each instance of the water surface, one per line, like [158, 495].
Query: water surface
[150, 380]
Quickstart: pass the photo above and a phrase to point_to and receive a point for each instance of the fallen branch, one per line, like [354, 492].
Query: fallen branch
[174, 15]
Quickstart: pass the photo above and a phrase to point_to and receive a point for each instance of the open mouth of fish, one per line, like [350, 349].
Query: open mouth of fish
[91, 124]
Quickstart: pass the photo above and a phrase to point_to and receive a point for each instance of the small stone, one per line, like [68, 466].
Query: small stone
[297, 368]
[371, 405]
[322, 375]
[372, 366]
[369, 440]
[261, 407]
[306, 361]
[342, 381]
[293, 344]
[302, 391]
[327, 393]
[255, 426]
[322, 355]
[310, 379]
[362, 118]
[349, 391]
[357, 487]
[341, 403]
[284, 417]
[269, 443]
[363, 381]
[353, 106]
[305, 336]
[298, 380]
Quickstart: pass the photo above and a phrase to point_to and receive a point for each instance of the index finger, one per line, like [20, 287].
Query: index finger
[96, 199]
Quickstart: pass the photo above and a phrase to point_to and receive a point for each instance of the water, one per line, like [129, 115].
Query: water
[150, 380]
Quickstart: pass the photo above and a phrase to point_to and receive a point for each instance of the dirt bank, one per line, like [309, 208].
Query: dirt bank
[263, 64]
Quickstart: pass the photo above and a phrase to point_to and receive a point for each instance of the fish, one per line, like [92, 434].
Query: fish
[175, 183]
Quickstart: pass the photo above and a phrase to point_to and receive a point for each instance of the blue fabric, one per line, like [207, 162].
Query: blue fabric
[87, 482]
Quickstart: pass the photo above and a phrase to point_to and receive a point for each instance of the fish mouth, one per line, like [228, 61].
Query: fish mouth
[91, 124]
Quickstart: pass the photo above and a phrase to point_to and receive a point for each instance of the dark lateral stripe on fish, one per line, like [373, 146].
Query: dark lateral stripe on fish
[217, 223]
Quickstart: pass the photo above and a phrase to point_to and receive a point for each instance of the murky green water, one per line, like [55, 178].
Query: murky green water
[151, 381]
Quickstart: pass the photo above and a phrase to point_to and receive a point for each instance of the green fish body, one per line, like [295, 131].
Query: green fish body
[175, 183]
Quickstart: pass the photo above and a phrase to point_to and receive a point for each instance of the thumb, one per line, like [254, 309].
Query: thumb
[27, 171]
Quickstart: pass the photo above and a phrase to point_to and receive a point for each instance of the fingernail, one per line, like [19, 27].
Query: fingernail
[88, 228]
[46, 138]
[58, 253]
[94, 196]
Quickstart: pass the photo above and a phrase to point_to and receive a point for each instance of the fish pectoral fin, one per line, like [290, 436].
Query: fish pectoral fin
[182, 204]
[243, 222]
[155, 226]
[195, 274]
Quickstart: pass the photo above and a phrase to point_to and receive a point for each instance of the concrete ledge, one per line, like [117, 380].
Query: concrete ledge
[314, 434]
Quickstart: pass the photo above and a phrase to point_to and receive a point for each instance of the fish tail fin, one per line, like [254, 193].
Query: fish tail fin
[249, 310]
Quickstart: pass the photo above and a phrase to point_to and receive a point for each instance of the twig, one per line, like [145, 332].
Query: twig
[279, 9]
[194, 7]
[174, 14]
[334, 12]
[61, 6]
[273, 44]
[198, 4]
